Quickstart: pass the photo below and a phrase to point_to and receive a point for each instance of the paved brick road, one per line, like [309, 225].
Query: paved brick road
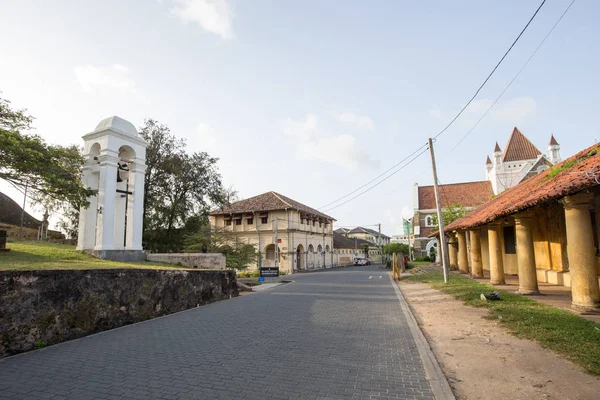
[329, 335]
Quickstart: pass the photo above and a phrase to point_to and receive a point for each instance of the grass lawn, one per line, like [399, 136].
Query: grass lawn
[576, 338]
[26, 256]
[413, 264]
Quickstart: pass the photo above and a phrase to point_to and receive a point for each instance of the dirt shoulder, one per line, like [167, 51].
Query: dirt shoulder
[482, 360]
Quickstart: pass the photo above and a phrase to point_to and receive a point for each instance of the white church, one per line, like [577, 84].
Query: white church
[519, 161]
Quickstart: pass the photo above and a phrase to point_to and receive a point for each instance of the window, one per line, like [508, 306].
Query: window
[428, 221]
[314, 223]
[264, 220]
[320, 224]
[238, 221]
[227, 222]
[250, 221]
[302, 221]
[510, 246]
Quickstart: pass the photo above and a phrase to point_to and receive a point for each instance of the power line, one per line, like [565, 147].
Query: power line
[491, 73]
[513, 79]
[381, 181]
[374, 179]
[439, 133]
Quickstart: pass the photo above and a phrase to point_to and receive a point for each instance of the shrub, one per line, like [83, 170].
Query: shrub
[427, 258]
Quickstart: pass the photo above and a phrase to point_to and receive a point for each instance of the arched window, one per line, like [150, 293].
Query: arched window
[311, 248]
[319, 249]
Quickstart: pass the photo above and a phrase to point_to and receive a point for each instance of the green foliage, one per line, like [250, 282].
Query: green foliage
[40, 344]
[398, 248]
[248, 274]
[180, 189]
[576, 338]
[27, 160]
[450, 214]
[238, 255]
[554, 171]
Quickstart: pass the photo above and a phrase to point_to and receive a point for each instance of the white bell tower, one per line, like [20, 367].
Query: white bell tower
[115, 165]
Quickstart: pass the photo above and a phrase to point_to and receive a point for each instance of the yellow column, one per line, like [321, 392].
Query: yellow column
[496, 263]
[463, 258]
[580, 250]
[525, 255]
[453, 251]
[476, 265]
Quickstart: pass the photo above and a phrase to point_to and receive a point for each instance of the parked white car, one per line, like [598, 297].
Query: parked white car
[361, 261]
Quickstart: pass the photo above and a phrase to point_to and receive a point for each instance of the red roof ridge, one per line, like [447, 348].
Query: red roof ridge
[569, 177]
[519, 148]
[456, 183]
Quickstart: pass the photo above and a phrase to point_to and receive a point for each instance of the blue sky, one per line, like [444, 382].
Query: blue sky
[309, 98]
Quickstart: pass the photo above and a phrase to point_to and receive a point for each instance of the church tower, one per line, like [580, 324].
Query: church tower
[553, 151]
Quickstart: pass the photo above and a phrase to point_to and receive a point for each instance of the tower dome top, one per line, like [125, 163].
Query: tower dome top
[117, 124]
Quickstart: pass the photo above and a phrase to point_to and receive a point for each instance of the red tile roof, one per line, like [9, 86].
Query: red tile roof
[519, 148]
[539, 189]
[270, 201]
[467, 194]
[553, 141]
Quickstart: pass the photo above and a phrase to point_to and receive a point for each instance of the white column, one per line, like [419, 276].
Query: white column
[106, 203]
[87, 216]
[135, 206]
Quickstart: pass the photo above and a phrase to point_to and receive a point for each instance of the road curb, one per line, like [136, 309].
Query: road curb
[439, 384]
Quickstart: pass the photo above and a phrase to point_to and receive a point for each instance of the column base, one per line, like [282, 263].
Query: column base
[476, 276]
[595, 308]
[497, 282]
[528, 292]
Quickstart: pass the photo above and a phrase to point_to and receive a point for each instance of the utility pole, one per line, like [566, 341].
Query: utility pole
[276, 245]
[436, 189]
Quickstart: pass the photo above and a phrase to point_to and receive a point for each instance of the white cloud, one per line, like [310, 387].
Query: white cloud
[359, 121]
[205, 137]
[339, 150]
[212, 15]
[514, 110]
[95, 79]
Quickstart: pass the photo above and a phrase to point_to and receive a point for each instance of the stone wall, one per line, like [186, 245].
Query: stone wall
[191, 260]
[38, 308]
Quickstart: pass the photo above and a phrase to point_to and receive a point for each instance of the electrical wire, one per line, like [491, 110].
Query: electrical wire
[513, 79]
[380, 182]
[374, 179]
[491, 73]
[439, 133]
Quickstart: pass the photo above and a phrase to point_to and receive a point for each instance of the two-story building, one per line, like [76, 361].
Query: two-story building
[467, 194]
[297, 236]
[375, 238]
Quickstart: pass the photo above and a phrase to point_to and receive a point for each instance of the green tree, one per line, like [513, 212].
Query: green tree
[26, 160]
[238, 255]
[450, 214]
[178, 187]
[398, 248]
